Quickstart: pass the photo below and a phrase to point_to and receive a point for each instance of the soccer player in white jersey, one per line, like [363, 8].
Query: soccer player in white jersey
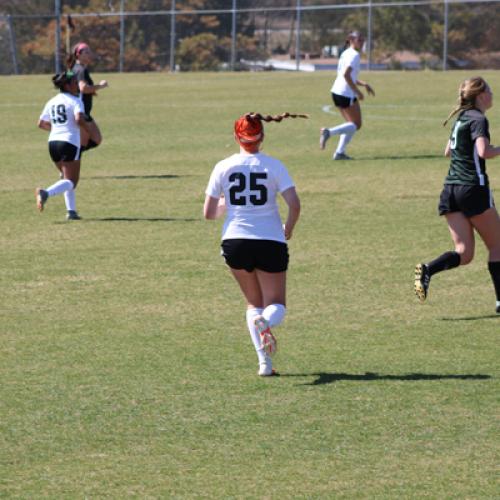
[346, 96]
[62, 117]
[245, 186]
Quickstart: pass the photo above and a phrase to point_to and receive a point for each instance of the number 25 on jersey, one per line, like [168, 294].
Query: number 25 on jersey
[258, 190]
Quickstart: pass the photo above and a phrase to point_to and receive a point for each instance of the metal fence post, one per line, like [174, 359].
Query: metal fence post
[12, 38]
[297, 37]
[57, 12]
[445, 36]
[369, 36]
[233, 36]
[122, 34]
[172, 37]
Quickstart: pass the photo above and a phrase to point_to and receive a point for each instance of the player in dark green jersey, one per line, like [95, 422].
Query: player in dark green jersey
[466, 200]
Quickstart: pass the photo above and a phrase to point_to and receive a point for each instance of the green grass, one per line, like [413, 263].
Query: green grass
[125, 365]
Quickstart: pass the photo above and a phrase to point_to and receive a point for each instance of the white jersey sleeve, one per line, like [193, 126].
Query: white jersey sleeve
[214, 188]
[283, 179]
[45, 116]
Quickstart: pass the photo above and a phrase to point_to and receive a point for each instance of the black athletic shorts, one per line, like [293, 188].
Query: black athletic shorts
[63, 151]
[343, 102]
[470, 200]
[267, 255]
[87, 117]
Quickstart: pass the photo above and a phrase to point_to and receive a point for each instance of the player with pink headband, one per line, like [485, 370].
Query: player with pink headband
[78, 62]
[245, 186]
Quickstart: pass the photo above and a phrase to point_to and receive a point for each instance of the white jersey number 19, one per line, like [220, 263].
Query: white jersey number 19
[58, 114]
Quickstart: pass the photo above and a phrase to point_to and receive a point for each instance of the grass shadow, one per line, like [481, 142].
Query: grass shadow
[129, 219]
[403, 157]
[330, 378]
[472, 318]
[140, 219]
[128, 177]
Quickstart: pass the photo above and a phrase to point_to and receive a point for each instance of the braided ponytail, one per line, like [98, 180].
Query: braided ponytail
[275, 118]
[248, 128]
[467, 94]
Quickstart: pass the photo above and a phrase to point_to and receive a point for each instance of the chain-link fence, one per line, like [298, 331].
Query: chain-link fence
[153, 35]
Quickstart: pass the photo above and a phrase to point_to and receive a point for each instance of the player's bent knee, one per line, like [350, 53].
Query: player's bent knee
[466, 257]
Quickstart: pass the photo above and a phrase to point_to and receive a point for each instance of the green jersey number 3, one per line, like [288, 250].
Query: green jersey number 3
[453, 138]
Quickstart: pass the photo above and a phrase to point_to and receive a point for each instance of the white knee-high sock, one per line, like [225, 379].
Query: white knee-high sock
[251, 314]
[344, 140]
[274, 314]
[344, 128]
[70, 200]
[59, 187]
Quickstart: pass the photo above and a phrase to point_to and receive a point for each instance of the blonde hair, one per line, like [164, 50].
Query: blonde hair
[467, 94]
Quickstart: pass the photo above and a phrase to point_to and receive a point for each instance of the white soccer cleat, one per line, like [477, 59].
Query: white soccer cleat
[266, 368]
[267, 339]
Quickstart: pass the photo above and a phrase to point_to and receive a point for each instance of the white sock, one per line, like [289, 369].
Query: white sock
[251, 313]
[498, 303]
[344, 140]
[69, 199]
[344, 128]
[274, 314]
[59, 187]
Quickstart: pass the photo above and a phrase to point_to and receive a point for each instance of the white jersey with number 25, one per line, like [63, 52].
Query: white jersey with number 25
[61, 112]
[250, 184]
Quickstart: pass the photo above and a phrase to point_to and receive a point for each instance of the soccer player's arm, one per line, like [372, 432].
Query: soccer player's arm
[447, 149]
[352, 84]
[44, 120]
[86, 88]
[292, 200]
[215, 203]
[44, 125]
[80, 117]
[485, 150]
[367, 86]
[214, 207]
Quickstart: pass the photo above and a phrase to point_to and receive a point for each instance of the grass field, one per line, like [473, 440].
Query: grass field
[126, 369]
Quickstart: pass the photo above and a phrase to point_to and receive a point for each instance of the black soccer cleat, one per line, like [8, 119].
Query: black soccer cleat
[422, 280]
[342, 156]
[72, 215]
[41, 197]
[324, 135]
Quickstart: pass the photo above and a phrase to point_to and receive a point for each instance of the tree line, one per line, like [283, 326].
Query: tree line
[204, 41]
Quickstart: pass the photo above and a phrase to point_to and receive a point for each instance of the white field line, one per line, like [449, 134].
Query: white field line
[328, 109]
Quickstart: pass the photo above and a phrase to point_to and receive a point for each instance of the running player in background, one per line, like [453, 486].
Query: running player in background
[466, 200]
[244, 186]
[63, 116]
[78, 63]
[346, 96]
